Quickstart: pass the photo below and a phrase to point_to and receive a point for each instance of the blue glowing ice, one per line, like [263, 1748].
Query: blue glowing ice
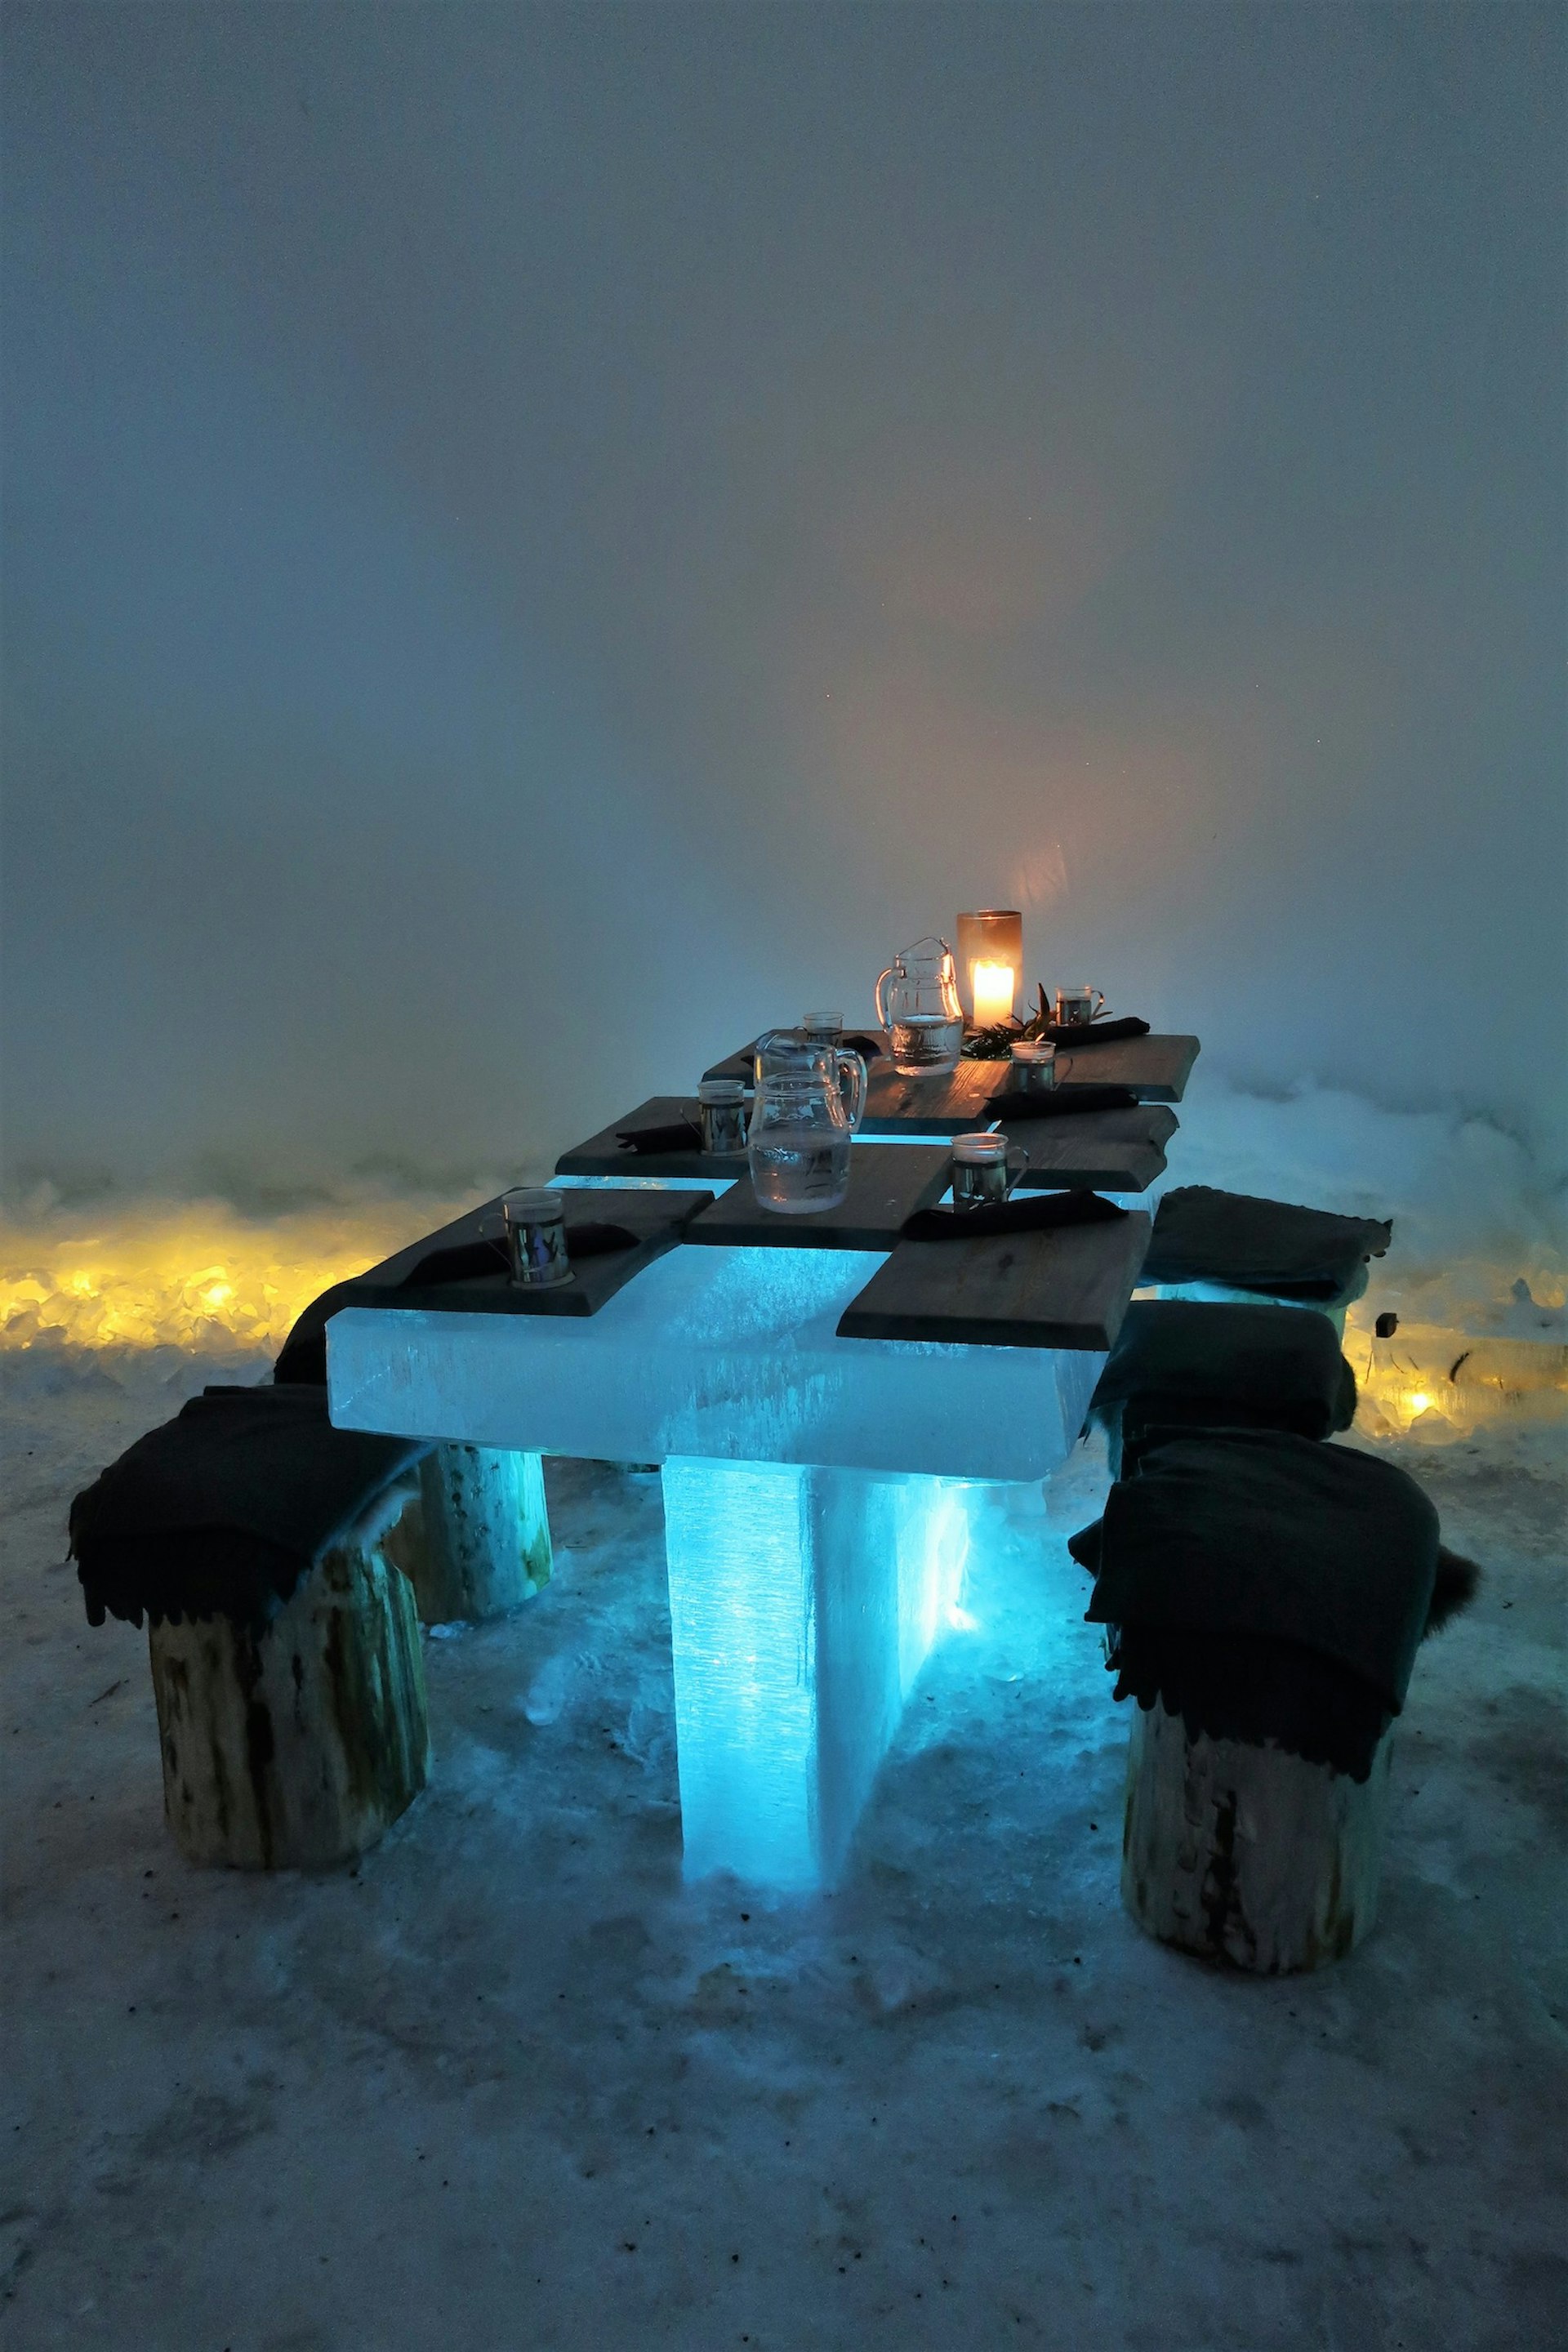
[723, 1354]
[816, 1505]
[803, 1604]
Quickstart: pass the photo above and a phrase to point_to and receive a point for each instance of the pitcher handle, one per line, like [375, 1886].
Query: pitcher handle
[883, 1021]
[852, 1067]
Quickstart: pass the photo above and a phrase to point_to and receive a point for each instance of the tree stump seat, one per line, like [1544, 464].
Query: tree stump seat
[284, 1644]
[1263, 1595]
[1229, 1248]
[1253, 1366]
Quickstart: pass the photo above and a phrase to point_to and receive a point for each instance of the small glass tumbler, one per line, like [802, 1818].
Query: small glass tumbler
[721, 1114]
[1076, 1007]
[827, 1027]
[1034, 1066]
[985, 1170]
[535, 1224]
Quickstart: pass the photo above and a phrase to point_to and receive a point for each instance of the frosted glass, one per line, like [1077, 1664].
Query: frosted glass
[722, 1354]
[803, 1604]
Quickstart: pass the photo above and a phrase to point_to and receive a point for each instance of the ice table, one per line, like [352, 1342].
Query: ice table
[814, 1501]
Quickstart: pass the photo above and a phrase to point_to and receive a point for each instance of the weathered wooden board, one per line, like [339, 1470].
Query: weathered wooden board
[656, 1219]
[1155, 1068]
[601, 1155]
[950, 1103]
[1063, 1289]
[888, 1182]
[1101, 1151]
[954, 1103]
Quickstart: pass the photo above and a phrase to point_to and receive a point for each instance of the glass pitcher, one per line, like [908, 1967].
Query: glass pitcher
[920, 1010]
[807, 1106]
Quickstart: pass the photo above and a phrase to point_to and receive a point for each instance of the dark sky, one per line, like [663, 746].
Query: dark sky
[539, 540]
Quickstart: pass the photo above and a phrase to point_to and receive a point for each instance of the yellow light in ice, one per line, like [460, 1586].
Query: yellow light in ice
[994, 987]
[194, 1274]
[1419, 1401]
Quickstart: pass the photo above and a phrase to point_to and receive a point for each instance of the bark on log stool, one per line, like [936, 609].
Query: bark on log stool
[475, 1540]
[1264, 1595]
[1249, 1856]
[284, 1643]
[295, 1744]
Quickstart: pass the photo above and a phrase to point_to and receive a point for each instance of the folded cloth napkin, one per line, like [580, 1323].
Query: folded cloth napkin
[1018, 1104]
[1093, 1033]
[1252, 1535]
[490, 1256]
[1041, 1213]
[1272, 1247]
[221, 1511]
[677, 1135]
[867, 1047]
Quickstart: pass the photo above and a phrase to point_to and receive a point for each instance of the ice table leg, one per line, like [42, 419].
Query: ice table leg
[803, 1604]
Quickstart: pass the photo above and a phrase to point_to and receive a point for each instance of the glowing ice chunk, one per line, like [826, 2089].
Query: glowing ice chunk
[725, 1354]
[803, 1604]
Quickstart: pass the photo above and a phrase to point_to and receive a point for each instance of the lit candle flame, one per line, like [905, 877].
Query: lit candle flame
[993, 987]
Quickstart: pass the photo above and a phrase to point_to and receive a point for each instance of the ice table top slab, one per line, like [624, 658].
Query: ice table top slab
[729, 1355]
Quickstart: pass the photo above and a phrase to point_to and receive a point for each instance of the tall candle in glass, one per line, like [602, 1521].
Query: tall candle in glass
[990, 963]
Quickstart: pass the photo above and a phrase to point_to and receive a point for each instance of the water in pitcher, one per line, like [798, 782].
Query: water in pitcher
[796, 1167]
[927, 1041]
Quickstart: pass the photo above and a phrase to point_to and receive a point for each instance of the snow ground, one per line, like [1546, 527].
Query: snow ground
[510, 2083]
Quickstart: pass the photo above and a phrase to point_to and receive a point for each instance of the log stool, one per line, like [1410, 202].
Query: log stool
[1264, 1596]
[475, 1542]
[284, 1645]
[1235, 1246]
[1176, 1366]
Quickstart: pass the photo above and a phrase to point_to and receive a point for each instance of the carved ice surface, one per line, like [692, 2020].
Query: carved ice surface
[816, 1520]
[803, 1604]
[725, 1354]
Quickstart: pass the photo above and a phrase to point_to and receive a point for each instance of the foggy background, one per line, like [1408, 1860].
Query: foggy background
[539, 541]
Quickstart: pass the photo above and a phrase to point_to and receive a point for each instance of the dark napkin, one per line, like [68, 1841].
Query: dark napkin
[468, 1259]
[1270, 1246]
[867, 1047]
[221, 1511]
[677, 1135]
[1041, 1213]
[1060, 1102]
[1096, 1033]
[1257, 1534]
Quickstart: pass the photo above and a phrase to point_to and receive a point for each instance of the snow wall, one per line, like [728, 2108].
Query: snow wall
[537, 541]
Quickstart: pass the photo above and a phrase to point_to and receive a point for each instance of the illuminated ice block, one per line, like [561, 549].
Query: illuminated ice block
[730, 1355]
[814, 1501]
[802, 1603]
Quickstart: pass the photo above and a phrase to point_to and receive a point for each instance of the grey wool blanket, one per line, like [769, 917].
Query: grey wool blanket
[221, 1511]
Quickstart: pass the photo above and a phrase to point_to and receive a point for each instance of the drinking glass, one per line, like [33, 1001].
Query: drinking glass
[985, 1170]
[535, 1224]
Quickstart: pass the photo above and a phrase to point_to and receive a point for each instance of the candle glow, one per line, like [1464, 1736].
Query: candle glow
[992, 988]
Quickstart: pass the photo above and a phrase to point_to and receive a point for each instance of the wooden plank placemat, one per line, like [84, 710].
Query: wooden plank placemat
[656, 1219]
[888, 1182]
[1098, 1151]
[1155, 1068]
[1063, 1289]
[601, 1155]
